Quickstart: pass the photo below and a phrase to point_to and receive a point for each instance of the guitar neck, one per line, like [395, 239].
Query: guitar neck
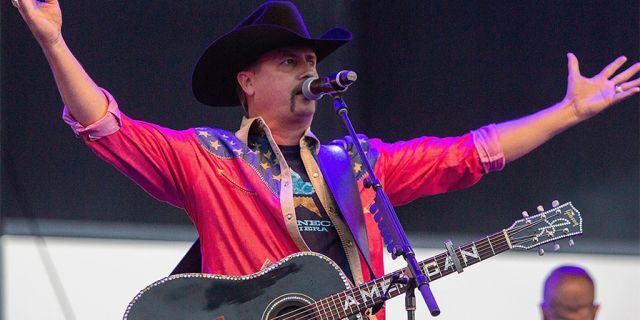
[472, 253]
[367, 295]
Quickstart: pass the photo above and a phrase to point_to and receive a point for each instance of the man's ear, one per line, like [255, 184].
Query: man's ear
[245, 80]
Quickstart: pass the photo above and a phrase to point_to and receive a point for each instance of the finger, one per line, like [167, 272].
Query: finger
[609, 70]
[24, 6]
[630, 84]
[626, 94]
[573, 65]
[21, 6]
[25, 13]
[627, 74]
[28, 10]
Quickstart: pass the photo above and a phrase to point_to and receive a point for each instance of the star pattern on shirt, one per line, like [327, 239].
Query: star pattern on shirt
[357, 162]
[258, 154]
[226, 146]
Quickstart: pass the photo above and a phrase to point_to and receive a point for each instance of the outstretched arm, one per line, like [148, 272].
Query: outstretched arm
[79, 93]
[585, 98]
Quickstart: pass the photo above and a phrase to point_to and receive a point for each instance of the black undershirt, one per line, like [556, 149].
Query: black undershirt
[314, 224]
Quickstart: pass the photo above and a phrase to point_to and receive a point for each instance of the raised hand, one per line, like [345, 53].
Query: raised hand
[44, 19]
[80, 94]
[590, 96]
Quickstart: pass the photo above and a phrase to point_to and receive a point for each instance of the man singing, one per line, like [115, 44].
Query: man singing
[259, 194]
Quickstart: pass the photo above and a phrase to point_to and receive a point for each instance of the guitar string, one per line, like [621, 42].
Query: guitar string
[332, 314]
[304, 310]
[345, 293]
[337, 313]
[366, 303]
[482, 249]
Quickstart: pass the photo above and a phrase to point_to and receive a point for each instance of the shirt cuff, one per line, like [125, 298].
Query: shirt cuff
[489, 148]
[107, 125]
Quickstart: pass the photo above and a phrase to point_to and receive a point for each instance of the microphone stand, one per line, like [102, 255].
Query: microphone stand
[389, 225]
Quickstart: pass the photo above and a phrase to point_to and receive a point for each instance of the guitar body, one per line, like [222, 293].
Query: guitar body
[293, 282]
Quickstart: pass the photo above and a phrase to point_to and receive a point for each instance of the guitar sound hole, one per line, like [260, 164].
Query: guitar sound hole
[290, 307]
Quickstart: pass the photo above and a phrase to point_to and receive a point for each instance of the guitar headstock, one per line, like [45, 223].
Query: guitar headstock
[563, 221]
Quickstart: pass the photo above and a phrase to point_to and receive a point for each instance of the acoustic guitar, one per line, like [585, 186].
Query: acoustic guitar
[310, 286]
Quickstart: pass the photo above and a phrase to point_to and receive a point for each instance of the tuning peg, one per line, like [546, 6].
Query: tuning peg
[571, 243]
[556, 246]
[555, 203]
[540, 251]
[540, 209]
[525, 214]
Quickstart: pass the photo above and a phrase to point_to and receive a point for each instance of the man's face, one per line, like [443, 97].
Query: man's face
[572, 299]
[275, 79]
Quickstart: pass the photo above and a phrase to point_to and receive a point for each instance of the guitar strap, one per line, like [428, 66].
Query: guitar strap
[335, 164]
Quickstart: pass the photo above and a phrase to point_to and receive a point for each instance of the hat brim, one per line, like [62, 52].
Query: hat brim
[214, 75]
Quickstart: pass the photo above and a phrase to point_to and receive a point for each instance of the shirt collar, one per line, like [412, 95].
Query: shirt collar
[257, 125]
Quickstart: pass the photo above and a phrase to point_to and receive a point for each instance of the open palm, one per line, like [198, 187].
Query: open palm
[590, 96]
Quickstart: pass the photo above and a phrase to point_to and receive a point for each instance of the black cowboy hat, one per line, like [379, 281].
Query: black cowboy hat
[272, 25]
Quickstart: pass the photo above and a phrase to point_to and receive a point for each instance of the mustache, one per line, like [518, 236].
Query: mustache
[297, 89]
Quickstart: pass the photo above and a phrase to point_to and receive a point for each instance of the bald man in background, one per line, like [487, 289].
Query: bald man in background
[569, 294]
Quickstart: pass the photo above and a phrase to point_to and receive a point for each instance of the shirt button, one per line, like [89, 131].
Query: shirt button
[289, 216]
[315, 174]
[332, 210]
[349, 243]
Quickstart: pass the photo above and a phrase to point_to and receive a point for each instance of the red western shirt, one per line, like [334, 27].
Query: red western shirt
[236, 188]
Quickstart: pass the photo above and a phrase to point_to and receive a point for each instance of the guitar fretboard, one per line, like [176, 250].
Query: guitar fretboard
[367, 295]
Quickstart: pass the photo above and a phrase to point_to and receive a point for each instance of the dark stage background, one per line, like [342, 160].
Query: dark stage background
[425, 68]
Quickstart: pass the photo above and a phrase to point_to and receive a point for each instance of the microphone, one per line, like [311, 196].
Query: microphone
[314, 88]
